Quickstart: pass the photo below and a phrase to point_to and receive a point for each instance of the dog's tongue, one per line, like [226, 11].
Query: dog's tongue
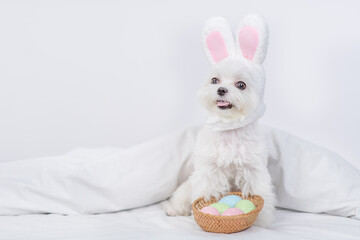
[222, 103]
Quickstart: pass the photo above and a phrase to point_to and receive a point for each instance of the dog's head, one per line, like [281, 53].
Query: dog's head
[234, 89]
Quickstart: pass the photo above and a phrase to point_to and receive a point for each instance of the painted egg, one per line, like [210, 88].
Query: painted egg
[230, 200]
[245, 206]
[221, 207]
[210, 210]
[232, 212]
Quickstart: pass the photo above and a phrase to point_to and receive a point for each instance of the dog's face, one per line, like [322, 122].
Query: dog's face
[231, 91]
[234, 89]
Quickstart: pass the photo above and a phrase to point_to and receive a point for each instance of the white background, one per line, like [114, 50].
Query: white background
[110, 73]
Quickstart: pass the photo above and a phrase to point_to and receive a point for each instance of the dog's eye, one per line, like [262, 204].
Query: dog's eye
[215, 81]
[240, 85]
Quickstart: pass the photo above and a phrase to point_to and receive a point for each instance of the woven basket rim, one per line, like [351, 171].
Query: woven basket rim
[259, 205]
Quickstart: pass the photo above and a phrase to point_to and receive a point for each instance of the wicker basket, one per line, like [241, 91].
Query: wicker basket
[226, 224]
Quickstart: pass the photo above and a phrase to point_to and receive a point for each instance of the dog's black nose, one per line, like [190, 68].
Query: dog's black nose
[221, 91]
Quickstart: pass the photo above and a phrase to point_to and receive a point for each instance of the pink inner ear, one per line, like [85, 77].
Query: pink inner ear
[248, 41]
[216, 46]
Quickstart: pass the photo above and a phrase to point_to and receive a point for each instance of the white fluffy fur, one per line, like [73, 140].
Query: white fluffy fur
[230, 153]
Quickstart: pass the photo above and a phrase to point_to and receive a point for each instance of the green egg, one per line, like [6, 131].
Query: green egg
[221, 207]
[245, 206]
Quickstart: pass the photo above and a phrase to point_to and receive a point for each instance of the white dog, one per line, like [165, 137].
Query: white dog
[230, 152]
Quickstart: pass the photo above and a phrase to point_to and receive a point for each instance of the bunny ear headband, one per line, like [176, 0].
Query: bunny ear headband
[250, 43]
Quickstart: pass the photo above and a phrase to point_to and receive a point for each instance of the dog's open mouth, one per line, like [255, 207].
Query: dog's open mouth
[224, 104]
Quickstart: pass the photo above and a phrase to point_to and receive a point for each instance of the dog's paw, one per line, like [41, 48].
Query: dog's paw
[266, 216]
[207, 197]
[172, 210]
[210, 195]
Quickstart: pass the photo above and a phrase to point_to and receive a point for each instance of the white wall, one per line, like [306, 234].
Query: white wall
[107, 73]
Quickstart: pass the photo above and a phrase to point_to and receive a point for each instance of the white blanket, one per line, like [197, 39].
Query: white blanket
[307, 177]
[152, 223]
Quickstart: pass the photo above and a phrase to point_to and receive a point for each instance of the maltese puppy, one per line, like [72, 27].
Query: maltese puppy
[230, 153]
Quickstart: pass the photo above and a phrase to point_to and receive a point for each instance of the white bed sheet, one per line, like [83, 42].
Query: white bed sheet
[151, 223]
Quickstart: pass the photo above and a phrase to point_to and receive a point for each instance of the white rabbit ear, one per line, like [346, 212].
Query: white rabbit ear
[218, 40]
[252, 38]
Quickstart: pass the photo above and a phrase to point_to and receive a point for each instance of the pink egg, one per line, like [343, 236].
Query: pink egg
[211, 210]
[232, 212]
